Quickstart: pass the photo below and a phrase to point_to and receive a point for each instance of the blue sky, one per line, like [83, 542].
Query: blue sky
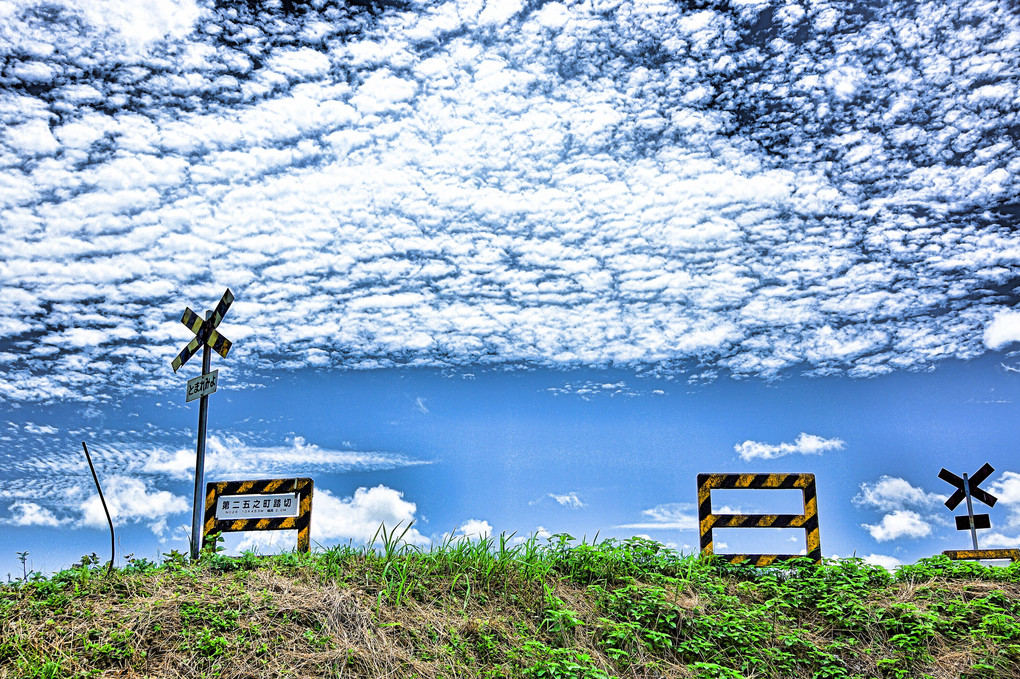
[510, 266]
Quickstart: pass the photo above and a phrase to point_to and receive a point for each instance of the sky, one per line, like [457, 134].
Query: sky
[521, 267]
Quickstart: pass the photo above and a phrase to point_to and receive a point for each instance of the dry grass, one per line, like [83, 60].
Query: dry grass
[293, 617]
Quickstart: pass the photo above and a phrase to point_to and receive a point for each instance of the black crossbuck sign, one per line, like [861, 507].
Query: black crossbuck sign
[205, 332]
[208, 339]
[967, 488]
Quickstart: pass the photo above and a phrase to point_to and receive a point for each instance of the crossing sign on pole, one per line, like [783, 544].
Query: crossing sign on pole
[966, 489]
[205, 332]
[208, 339]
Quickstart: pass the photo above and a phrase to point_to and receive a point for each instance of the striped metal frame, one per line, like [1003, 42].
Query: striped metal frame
[301, 523]
[808, 520]
[974, 554]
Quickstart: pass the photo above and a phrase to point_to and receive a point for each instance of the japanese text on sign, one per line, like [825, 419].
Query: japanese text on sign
[201, 386]
[257, 506]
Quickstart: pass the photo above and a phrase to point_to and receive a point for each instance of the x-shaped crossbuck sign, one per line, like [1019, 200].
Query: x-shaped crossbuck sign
[205, 331]
[975, 492]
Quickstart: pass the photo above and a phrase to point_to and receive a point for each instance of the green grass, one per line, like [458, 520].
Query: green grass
[493, 608]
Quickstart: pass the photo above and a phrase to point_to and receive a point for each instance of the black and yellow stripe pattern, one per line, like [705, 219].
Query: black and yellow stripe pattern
[301, 523]
[808, 520]
[216, 341]
[974, 554]
[205, 331]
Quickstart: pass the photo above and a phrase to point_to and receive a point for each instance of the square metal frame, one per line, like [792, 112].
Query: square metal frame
[708, 520]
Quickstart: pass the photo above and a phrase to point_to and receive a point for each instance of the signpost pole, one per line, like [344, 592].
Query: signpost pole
[970, 510]
[203, 415]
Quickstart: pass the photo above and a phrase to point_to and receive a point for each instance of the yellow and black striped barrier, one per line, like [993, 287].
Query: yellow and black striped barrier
[975, 554]
[266, 504]
[808, 520]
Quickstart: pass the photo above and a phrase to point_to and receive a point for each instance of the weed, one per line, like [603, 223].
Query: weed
[503, 607]
[209, 645]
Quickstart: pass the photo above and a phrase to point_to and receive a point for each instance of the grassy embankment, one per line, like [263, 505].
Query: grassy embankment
[485, 609]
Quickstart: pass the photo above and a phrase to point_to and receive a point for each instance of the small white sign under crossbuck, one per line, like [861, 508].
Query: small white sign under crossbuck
[278, 505]
[201, 385]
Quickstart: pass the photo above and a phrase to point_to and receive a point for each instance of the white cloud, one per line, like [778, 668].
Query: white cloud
[25, 513]
[890, 492]
[498, 12]
[360, 516]
[32, 139]
[1003, 330]
[805, 444]
[130, 500]
[472, 529]
[902, 523]
[541, 534]
[228, 456]
[522, 193]
[569, 500]
[44, 429]
[1007, 489]
[887, 562]
[996, 539]
[671, 516]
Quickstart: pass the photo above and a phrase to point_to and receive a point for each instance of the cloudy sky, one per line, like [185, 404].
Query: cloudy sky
[510, 266]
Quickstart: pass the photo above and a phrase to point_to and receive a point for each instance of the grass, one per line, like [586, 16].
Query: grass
[491, 608]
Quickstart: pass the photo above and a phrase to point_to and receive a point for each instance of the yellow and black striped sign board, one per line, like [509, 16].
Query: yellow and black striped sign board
[218, 496]
[808, 520]
[974, 554]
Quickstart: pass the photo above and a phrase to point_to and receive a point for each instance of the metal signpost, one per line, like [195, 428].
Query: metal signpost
[264, 504]
[967, 489]
[808, 520]
[206, 337]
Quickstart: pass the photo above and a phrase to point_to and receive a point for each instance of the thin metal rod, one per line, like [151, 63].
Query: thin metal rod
[203, 416]
[103, 500]
[970, 511]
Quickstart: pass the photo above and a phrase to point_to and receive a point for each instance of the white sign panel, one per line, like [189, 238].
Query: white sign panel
[202, 385]
[277, 505]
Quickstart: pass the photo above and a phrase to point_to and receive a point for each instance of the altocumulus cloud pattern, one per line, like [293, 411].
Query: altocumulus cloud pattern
[747, 186]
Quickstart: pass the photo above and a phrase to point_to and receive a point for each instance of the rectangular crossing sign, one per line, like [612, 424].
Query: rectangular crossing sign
[201, 386]
[225, 509]
[808, 520]
[981, 521]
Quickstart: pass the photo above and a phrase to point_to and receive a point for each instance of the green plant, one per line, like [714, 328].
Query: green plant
[711, 670]
[560, 663]
[23, 557]
[208, 645]
[557, 619]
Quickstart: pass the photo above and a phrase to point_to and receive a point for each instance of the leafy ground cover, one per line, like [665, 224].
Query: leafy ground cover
[552, 610]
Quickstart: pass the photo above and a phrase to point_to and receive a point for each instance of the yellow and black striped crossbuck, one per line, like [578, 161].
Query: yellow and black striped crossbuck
[808, 520]
[221, 495]
[974, 554]
[205, 332]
